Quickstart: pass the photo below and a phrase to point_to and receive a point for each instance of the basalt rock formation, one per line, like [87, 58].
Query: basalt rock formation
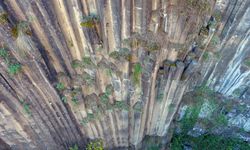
[72, 71]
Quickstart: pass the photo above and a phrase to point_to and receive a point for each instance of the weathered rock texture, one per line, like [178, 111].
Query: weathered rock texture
[173, 45]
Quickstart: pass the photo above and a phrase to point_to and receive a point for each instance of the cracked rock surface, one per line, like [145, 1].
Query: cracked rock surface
[73, 71]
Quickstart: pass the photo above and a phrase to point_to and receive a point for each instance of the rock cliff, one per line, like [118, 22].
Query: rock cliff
[72, 71]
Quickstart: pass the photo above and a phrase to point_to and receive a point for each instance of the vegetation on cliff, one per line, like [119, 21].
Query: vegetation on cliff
[206, 109]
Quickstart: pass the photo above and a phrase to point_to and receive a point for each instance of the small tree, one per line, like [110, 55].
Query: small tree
[26, 107]
[60, 86]
[15, 68]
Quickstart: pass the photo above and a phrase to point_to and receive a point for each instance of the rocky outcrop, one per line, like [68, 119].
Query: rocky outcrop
[80, 70]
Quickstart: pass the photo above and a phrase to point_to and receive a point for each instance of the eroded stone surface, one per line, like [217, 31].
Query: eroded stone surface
[45, 116]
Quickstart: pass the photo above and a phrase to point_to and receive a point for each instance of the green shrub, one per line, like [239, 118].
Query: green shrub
[215, 40]
[104, 98]
[15, 68]
[220, 120]
[247, 62]
[115, 55]
[84, 121]
[124, 52]
[95, 145]
[109, 72]
[60, 86]
[190, 118]
[90, 117]
[105, 104]
[89, 80]
[137, 70]
[4, 54]
[26, 107]
[87, 62]
[109, 89]
[207, 142]
[64, 99]
[203, 91]
[74, 93]
[76, 63]
[122, 105]
[74, 100]
[121, 53]
[205, 56]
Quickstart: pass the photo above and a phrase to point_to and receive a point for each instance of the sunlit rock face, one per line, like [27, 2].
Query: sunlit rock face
[230, 75]
[114, 70]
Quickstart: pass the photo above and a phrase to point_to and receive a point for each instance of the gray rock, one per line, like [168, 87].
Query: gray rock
[182, 112]
[206, 110]
[187, 147]
[117, 85]
[197, 130]
[243, 136]
[247, 125]
[238, 121]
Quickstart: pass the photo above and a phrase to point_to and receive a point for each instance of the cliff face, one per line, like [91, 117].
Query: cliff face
[115, 70]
